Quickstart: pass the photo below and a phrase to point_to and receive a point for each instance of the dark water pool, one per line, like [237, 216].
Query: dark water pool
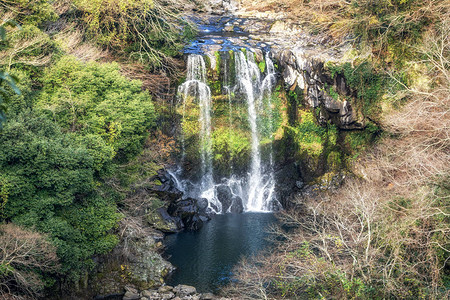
[206, 258]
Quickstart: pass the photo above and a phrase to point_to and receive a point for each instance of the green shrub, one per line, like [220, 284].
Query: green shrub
[96, 99]
[32, 12]
[47, 182]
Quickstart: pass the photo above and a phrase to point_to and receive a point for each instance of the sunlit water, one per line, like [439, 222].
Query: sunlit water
[205, 258]
[255, 190]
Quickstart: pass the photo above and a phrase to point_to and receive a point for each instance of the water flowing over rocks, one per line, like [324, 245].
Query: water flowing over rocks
[244, 84]
[238, 61]
[242, 56]
[179, 212]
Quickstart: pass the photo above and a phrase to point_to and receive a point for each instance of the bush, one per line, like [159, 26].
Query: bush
[25, 258]
[32, 12]
[47, 182]
[96, 99]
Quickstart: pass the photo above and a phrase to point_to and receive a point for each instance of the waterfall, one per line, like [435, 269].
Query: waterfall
[260, 186]
[195, 86]
[255, 190]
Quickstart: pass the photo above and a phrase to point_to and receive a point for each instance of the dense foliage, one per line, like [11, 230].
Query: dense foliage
[76, 130]
[47, 182]
[95, 99]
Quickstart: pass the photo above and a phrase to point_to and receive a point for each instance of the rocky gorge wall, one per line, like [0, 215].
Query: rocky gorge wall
[318, 121]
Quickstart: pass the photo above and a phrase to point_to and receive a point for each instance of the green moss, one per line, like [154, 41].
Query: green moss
[309, 136]
[366, 82]
[230, 146]
[334, 160]
[262, 66]
[218, 61]
[155, 220]
[216, 87]
[332, 92]
[333, 134]
[358, 141]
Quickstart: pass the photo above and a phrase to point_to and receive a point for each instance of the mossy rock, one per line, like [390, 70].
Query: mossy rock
[155, 219]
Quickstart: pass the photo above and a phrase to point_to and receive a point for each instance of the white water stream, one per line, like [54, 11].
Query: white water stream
[256, 190]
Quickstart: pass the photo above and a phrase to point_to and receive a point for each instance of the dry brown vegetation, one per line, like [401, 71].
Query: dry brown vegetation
[24, 256]
[380, 21]
[386, 232]
[149, 31]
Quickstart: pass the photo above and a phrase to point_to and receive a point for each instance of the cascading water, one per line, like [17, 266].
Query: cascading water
[247, 74]
[254, 191]
[195, 86]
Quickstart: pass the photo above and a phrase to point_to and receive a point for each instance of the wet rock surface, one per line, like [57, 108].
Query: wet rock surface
[230, 203]
[178, 212]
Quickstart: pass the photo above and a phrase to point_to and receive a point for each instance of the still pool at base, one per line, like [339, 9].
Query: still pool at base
[205, 258]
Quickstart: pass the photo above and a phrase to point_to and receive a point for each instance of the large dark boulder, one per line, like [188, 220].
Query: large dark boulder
[188, 211]
[236, 206]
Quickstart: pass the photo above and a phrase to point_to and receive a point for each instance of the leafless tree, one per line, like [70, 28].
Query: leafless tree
[24, 256]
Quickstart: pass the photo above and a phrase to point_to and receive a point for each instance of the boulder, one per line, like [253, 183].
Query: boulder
[236, 205]
[161, 220]
[166, 295]
[225, 196]
[131, 296]
[207, 296]
[168, 191]
[182, 290]
[150, 294]
[131, 289]
[202, 204]
[165, 289]
[189, 213]
[331, 104]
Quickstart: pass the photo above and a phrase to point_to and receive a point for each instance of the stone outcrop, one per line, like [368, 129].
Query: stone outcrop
[179, 292]
[301, 56]
[304, 70]
[135, 260]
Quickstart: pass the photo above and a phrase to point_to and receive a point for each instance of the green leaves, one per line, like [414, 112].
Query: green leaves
[11, 23]
[5, 78]
[95, 99]
[48, 182]
[11, 82]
